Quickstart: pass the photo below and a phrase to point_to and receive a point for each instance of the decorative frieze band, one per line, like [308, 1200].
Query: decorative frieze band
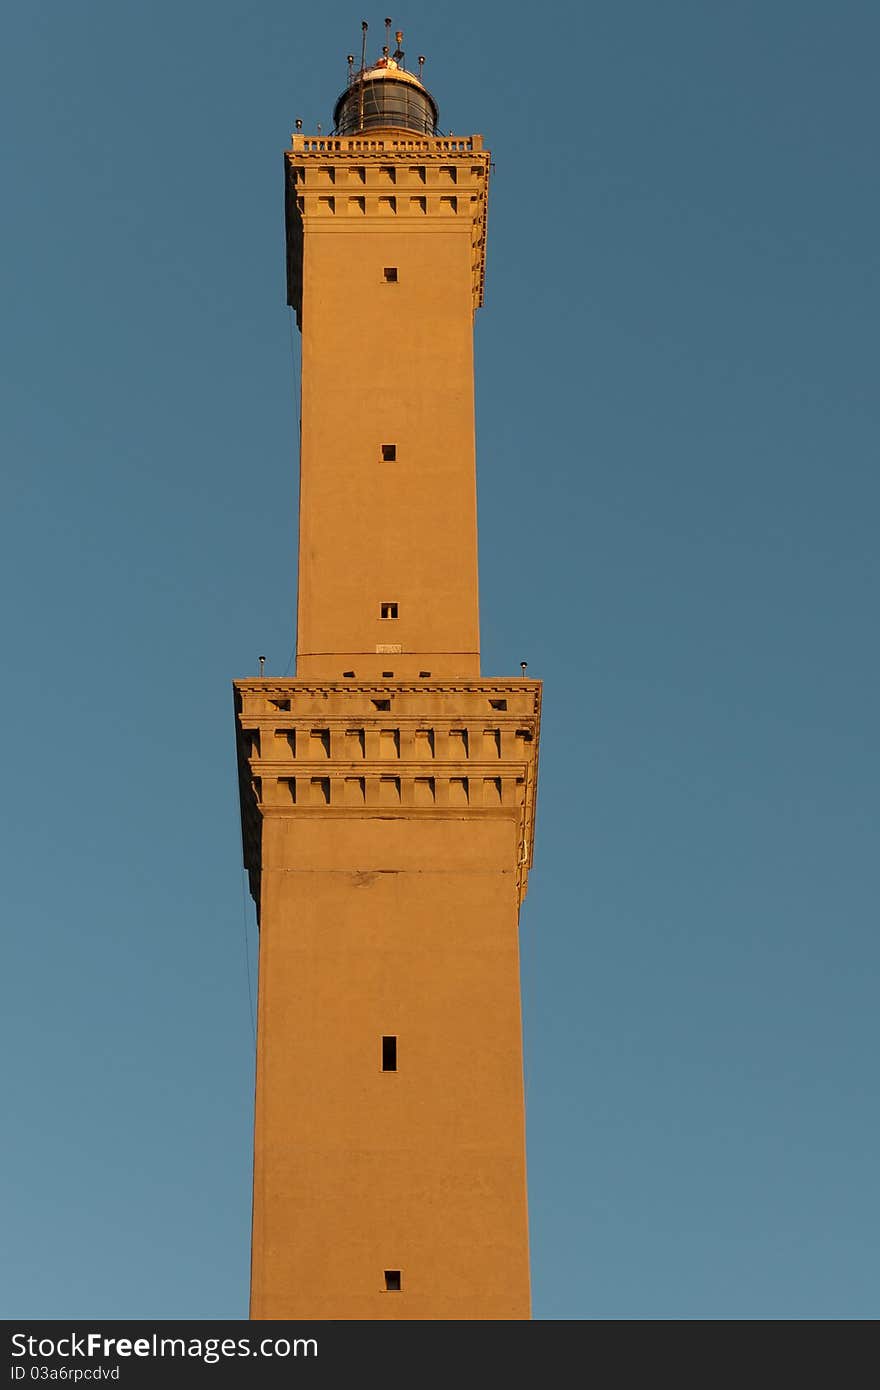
[387, 749]
[350, 182]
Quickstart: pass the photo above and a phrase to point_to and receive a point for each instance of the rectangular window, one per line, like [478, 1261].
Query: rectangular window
[389, 453]
[354, 743]
[389, 791]
[423, 791]
[392, 1280]
[388, 610]
[458, 743]
[319, 743]
[389, 743]
[390, 274]
[458, 791]
[353, 789]
[491, 791]
[389, 1053]
[320, 791]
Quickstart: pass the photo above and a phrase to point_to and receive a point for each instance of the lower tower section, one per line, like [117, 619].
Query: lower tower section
[388, 835]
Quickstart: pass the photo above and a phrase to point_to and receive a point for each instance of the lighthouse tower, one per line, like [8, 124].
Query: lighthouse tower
[388, 790]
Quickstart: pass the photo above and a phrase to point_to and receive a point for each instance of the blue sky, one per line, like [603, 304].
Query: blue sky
[678, 430]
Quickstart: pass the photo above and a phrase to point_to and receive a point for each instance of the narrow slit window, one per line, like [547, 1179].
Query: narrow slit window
[387, 675]
[392, 1280]
[390, 274]
[389, 1053]
[389, 453]
[388, 610]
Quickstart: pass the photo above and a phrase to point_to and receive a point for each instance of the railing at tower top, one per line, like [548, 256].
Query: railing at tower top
[365, 143]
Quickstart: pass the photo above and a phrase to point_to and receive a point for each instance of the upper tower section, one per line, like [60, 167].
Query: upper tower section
[385, 132]
[384, 96]
[386, 241]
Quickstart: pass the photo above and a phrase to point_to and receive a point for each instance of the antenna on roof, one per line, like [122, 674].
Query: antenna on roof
[421, 63]
[398, 52]
[386, 49]
[350, 60]
[364, 28]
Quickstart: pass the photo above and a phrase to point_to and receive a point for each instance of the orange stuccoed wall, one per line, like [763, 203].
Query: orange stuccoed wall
[388, 791]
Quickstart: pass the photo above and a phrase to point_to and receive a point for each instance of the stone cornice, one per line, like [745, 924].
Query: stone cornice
[274, 687]
[346, 183]
[387, 750]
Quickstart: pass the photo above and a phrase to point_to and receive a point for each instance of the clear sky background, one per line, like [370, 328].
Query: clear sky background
[678, 431]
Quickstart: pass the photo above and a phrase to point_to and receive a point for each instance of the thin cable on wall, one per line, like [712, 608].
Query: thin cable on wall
[296, 364]
[247, 956]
